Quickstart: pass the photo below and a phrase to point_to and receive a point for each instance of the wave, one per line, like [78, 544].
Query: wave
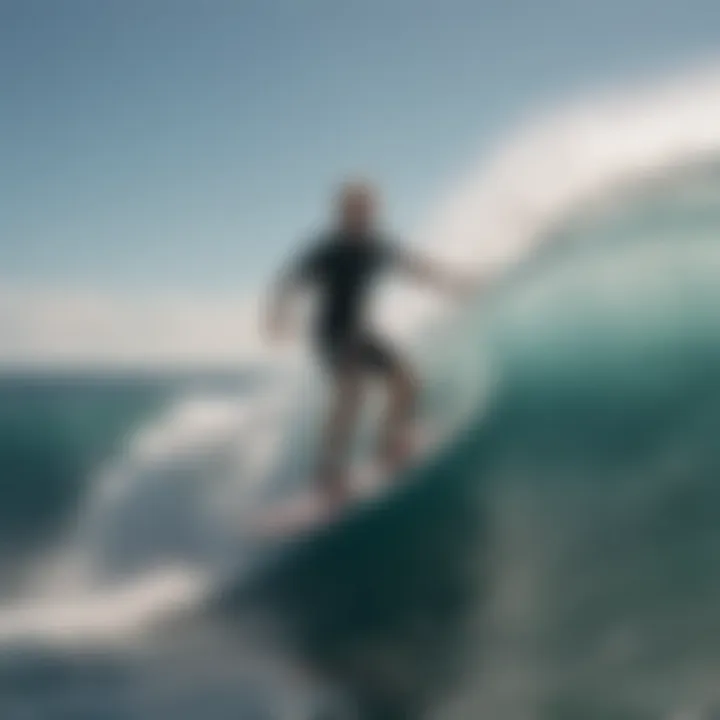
[459, 575]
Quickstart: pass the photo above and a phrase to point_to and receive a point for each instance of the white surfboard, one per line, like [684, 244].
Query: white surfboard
[309, 509]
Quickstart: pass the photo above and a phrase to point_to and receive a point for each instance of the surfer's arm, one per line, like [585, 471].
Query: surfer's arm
[284, 292]
[439, 276]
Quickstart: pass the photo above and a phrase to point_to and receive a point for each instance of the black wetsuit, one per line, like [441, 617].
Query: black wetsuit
[343, 268]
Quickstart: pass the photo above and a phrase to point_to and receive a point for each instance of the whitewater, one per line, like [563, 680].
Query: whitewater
[553, 559]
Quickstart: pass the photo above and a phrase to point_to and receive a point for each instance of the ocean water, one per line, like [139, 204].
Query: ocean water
[556, 557]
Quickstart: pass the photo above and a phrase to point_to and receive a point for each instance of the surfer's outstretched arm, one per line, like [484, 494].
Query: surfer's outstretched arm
[439, 276]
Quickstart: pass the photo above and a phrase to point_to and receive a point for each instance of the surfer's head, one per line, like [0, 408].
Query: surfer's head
[356, 206]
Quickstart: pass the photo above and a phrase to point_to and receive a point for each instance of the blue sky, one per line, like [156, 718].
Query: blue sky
[187, 145]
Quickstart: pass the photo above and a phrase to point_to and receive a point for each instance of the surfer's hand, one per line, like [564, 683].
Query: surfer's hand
[278, 316]
[277, 328]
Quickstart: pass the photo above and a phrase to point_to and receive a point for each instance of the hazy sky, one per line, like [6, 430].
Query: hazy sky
[188, 144]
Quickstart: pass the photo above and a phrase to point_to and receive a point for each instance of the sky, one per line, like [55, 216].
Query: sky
[188, 146]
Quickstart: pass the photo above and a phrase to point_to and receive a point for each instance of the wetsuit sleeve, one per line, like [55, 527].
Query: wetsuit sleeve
[393, 255]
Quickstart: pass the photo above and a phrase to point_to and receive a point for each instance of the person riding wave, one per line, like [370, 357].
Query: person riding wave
[343, 265]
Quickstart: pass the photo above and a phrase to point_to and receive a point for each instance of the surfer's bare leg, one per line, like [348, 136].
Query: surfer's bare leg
[338, 431]
[402, 388]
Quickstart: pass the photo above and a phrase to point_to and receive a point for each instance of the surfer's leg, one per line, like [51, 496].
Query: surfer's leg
[337, 434]
[402, 388]
[402, 391]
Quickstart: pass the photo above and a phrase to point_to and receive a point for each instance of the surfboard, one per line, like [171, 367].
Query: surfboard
[309, 509]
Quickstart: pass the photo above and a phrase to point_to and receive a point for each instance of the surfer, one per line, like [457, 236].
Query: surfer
[343, 265]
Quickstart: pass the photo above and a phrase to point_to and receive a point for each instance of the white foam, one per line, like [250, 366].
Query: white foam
[118, 614]
[574, 157]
